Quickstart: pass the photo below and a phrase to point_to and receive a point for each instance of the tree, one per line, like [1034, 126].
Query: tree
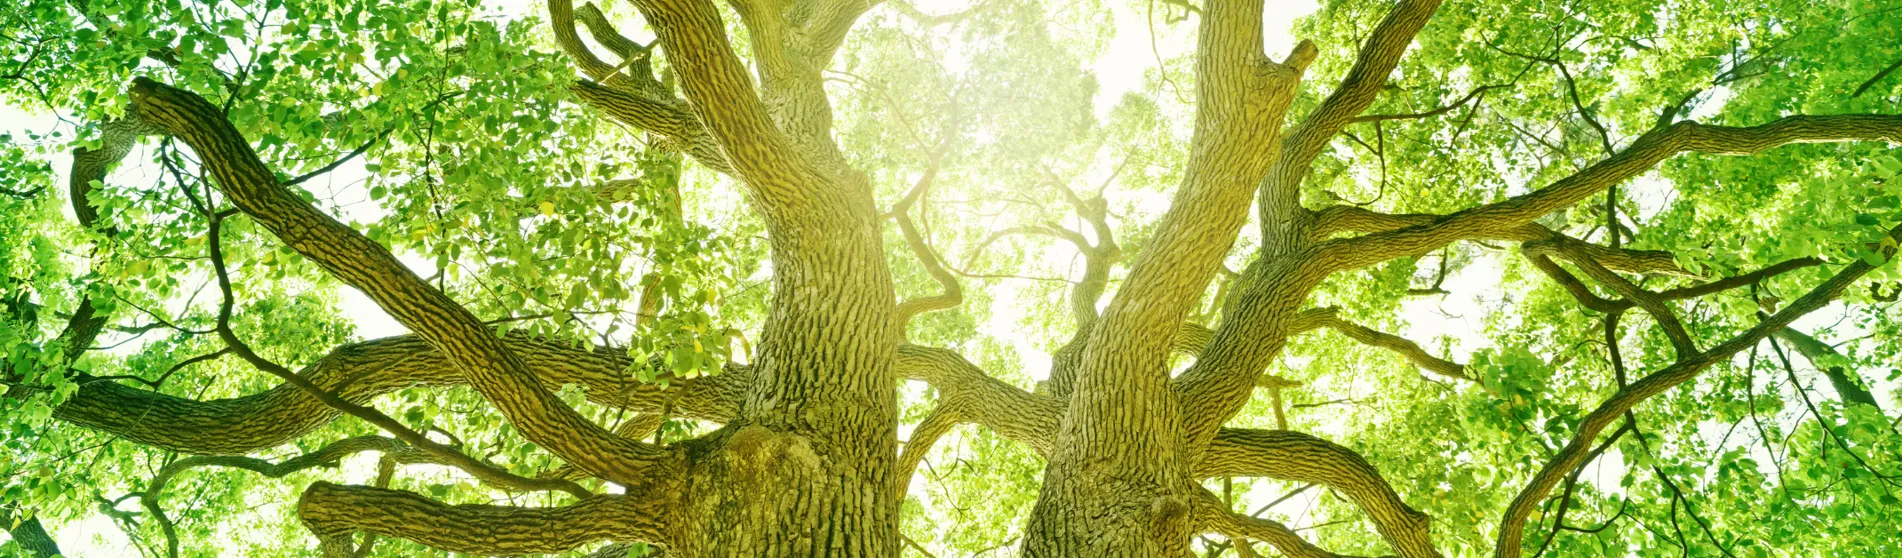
[607, 346]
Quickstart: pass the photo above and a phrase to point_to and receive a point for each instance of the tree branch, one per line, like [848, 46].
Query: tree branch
[1298, 457]
[328, 456]
[334, 511]
[935, 425]
[1280, 198]
[669, 118]
[561, 16]
[978, 397]
[484, 360]
[358, 373]
[1512, 527]
[723, 96]
[1337, 219]
[1212, 516]
[1431, 113]
[1860, 89]
[1241, 98]
[953, 293]
[1645, 152]
[1652, 304]
[1847, 384]
[30, 534]
[1399, 345]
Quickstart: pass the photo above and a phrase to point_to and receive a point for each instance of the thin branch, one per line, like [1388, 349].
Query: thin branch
[1860, 89]
[1399, 345]
[1213, 517]
[1431, 113]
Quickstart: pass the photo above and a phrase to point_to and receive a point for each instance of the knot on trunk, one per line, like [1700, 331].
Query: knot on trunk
[758, 451]
[1168, 513]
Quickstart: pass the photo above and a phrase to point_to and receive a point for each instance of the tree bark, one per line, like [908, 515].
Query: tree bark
[30, 535]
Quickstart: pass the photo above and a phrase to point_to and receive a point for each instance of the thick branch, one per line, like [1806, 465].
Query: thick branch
[669, 118]
[935, 425]
[725, 99]
[1033, 420]
[1342, 218]
[30, 534]
[1512, 527]
[1294, 456]
[1241, 98]
[1009, 411]
[1280, 191]
[116, 139]
[499, 375]
[561, 15]
[1358, 90]
[1644, 153]
[362, 371]
[333, 512]
[603, 32]
[953, 292]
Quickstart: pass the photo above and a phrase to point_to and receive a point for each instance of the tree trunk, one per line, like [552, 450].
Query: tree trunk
[808, 467]
[30, 535]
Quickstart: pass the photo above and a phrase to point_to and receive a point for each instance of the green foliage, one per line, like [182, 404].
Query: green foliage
[478, 169]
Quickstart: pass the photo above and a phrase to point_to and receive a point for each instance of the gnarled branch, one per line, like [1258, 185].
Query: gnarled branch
[334, 511]
[362, 371]
[501, 376]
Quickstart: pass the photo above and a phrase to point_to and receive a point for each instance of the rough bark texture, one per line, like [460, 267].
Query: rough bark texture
[818, 422]
[30, 535]
[1117, 482]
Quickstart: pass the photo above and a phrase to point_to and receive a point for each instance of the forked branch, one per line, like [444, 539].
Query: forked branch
[1512, 527]
[498, 374]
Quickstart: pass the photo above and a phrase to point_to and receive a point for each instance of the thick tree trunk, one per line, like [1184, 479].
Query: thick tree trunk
[807, 469]
[30, 535]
